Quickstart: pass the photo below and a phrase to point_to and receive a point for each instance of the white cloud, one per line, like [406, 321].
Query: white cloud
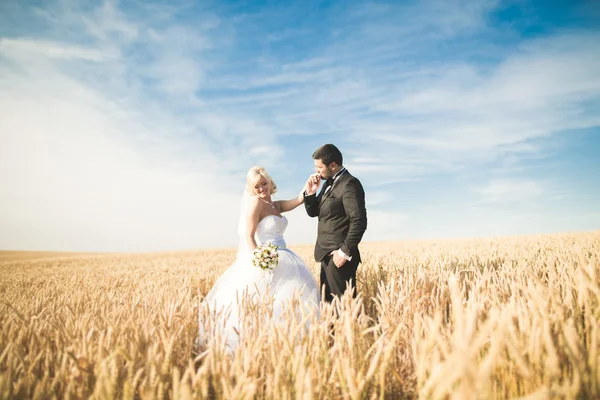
[377, 197]
[445, 116]
[90, 160]
[387, 225]
[71, 183]
[502, 191]
[460, 115]
[31, 48]
[73, 19]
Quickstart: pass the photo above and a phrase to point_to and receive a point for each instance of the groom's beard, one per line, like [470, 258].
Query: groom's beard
[330, 175]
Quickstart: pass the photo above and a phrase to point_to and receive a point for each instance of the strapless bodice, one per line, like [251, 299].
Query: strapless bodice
[271, 229]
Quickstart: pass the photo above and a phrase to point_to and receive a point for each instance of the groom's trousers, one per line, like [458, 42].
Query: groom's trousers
[334, 279]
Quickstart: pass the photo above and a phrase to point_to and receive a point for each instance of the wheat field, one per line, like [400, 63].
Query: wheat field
[466, 319]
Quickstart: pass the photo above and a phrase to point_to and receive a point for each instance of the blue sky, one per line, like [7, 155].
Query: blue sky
[129, 126]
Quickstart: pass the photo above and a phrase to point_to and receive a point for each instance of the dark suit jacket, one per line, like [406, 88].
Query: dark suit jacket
[342, 217]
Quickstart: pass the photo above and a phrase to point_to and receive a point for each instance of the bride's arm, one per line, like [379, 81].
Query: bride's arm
[252, 223]
[289, 205]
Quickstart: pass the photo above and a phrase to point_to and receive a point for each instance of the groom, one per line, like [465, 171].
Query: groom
[340, 206]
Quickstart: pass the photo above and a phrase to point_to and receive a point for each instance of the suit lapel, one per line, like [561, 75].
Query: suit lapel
[335, 183]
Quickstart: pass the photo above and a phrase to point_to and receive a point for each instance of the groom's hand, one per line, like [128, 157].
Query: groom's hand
[312, 184]
[337, 259]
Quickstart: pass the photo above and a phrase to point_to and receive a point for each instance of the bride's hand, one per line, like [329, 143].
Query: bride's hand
[312, 184]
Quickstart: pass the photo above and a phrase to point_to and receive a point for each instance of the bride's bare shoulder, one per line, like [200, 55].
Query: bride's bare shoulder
[254, 203]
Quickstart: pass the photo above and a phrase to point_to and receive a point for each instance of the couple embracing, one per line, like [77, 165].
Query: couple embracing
[340, 208]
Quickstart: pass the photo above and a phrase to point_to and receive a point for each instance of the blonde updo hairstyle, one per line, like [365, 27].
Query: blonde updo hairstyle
[254, 176]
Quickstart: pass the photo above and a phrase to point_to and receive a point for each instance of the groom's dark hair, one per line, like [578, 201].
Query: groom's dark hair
[328, 153]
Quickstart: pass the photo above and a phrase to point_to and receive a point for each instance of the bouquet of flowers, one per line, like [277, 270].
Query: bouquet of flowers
[266, 257]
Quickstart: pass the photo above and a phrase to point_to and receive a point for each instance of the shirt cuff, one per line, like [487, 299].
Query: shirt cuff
[343, 255]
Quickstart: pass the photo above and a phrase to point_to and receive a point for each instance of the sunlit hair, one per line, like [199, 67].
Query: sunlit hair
[254, 176]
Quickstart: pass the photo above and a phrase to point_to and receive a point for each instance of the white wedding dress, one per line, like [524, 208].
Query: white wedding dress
[290, 278]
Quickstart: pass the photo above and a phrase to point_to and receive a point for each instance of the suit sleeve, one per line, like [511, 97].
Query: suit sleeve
[311, 203]
[354, 205]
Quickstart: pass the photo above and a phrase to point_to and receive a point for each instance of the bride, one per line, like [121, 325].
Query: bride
[260, 222]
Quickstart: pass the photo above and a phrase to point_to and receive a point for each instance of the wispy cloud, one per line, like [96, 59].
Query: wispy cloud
[393, 225]
[23, 48]
[444, 111]
[506, 191]
[70, 182]
[92, 157]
